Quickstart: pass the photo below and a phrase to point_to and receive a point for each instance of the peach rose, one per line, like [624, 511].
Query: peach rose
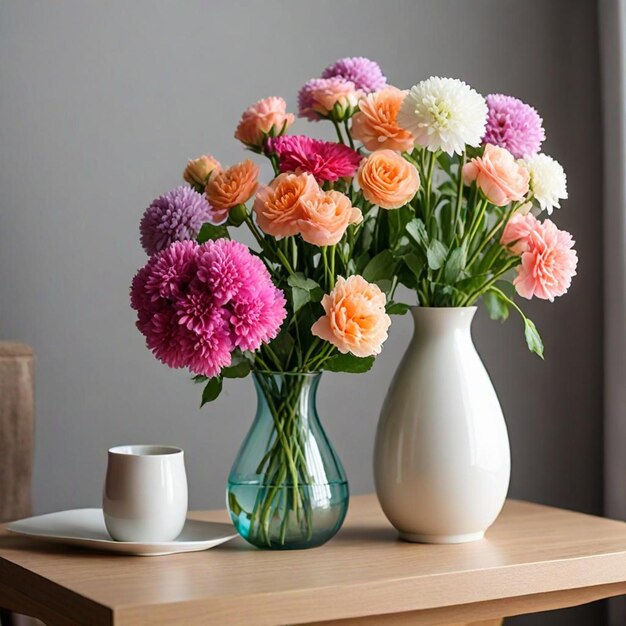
[325, 218]
[501, 179]
[265, 117]
[329, 93]
[278, 206]
[198, 170]
[231, 187]
[355, 319]
[375, 124]
[388, 180]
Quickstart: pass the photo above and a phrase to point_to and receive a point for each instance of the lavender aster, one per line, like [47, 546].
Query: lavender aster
[177, 215]
[364, 73]
[513, 125]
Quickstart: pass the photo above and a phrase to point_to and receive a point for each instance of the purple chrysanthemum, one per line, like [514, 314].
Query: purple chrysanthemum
[364, 73]
[197, 303]
[324, 159]
[177, 215]
[514, 125]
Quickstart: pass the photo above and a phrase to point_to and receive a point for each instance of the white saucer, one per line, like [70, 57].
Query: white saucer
[85, 528]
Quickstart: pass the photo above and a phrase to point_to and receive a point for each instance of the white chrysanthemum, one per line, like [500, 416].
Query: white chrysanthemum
[444, 114]
[548, 181]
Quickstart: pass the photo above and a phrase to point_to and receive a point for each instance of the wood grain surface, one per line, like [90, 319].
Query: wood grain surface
[534, 558]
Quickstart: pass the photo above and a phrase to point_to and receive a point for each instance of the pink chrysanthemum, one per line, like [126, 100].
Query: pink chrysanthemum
[514, 125]
[363, 72]
[256, 317]
[226, 267]
[197, 303]
[325, 160]
[177, 215]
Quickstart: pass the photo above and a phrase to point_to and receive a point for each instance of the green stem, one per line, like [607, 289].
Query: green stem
[348, 135]
[254, 230]
[459, 194]
[338, 131]
[472, 297]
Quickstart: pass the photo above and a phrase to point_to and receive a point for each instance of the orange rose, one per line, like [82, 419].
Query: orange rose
[355, 319]
[261, 118]
[375, 125]
[278, 206]
[233, 186]
[388, 180]
[501, 179]
[325, 218]
[198, 170]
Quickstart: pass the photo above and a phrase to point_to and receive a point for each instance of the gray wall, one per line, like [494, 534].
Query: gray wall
[100, 106]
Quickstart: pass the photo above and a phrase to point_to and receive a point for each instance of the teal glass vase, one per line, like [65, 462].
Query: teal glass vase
[287, 489]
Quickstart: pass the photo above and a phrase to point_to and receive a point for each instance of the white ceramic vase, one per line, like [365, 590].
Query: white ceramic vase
[442, 459]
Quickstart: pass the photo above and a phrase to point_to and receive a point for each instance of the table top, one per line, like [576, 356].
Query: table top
[365, 570]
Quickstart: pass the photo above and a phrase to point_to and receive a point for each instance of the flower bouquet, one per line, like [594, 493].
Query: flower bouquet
[422, 188]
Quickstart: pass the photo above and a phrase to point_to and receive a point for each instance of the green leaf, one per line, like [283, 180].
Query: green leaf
[283, 345]
[416, 229]
[385, 285]
[299, 298]
[397, 308]
[212, 390]
[415, 262]
[210, 232]
[381, 267]
[200, 379]
[436, 254]
[533, 338]
[349, 363]
[303, 290]
[496, 305]
[455, 264]
[239, 370]
[300, 281]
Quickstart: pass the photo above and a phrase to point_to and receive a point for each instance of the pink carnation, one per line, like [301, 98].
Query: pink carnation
[548, 264]
[324, 159]
[197, 303]
[517, 232]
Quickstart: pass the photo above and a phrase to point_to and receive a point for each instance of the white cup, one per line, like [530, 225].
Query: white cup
[145, 493]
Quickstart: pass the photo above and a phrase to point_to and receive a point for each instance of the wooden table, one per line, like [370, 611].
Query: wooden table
[534, 558]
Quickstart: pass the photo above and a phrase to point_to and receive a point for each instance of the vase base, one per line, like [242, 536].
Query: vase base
[419, 538]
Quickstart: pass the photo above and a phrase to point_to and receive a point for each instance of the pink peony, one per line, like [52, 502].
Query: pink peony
[548, 264]
[197, 303]
[265, 117]
[324, 159]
